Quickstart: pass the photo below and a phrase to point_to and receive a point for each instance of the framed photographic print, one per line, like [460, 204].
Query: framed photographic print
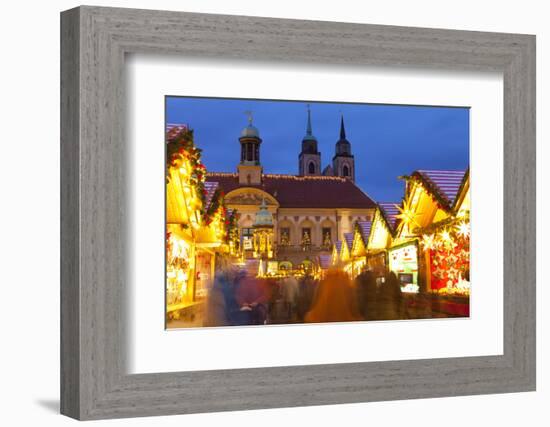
[274, 213]
[250, 247]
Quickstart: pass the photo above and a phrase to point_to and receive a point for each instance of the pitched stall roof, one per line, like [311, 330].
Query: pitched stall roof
[365, 229]
[445, 184]
[348, 238]
[210, 188]
[172, 130]
[338, 245]
[389, 211]
[293, 191]
[324, 261]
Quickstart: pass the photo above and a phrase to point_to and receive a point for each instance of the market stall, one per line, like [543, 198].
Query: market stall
[184, 179]
[197, 226]
[431, 250]
[446, 247]
[345, 253]
[359, 247]
[335, 255]
[380, 238]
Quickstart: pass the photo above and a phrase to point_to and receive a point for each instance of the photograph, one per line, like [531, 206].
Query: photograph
[299, 212]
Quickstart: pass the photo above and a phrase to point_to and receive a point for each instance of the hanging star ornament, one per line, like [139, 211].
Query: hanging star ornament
[463, 229]
[447, 240]
[428, 242]
[407, 215]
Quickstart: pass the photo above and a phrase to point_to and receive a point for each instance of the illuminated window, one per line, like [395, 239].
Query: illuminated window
[306, 237]
[327, 237]
[284, 238]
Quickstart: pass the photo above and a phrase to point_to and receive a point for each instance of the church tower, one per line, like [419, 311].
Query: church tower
[250, 169]
[309, 160]
[343, 162]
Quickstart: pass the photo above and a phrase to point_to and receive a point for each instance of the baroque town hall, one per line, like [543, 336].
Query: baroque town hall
[293, 219]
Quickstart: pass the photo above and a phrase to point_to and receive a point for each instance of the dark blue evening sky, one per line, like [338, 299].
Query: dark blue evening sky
[386, 140]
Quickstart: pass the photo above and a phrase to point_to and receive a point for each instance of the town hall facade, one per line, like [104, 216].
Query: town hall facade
[294, 219]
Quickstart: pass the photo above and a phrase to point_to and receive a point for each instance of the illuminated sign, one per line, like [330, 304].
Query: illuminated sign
[272, 267]
[247, 243]
[404, 262]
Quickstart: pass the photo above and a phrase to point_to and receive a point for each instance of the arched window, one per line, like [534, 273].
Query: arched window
[311, 167]
[285, 265]
[284, 238]
[249, 152]
[345, 170]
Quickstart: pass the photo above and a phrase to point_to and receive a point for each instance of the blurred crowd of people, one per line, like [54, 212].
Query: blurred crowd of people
[237, 298]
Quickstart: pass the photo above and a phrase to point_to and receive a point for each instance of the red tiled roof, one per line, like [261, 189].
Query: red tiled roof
[293, 191]
[444, 183]
[389, 211]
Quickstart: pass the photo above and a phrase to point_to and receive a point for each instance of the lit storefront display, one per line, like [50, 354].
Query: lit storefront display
[403, 261]
[448, 257]
[179, 270]
[272, 268]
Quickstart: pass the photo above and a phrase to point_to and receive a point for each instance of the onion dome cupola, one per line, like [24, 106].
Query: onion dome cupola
[309, 160]
[343, 162]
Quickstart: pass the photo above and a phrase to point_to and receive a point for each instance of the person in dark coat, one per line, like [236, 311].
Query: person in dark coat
[306, 290]
[390, 298]
[365, 283]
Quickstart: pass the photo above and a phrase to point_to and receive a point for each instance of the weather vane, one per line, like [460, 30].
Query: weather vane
[249, 114]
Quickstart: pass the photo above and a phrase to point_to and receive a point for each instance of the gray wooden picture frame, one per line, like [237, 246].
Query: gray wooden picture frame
[94, 41]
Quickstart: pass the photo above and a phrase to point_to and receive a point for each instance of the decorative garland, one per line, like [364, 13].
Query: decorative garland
[217, 203]
[180, 147]
[449, 250]
[232, 229]
[450, 221]
[450, 262]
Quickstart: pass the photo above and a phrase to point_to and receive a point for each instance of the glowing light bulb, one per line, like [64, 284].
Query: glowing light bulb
[445, 236]
[463, 229]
